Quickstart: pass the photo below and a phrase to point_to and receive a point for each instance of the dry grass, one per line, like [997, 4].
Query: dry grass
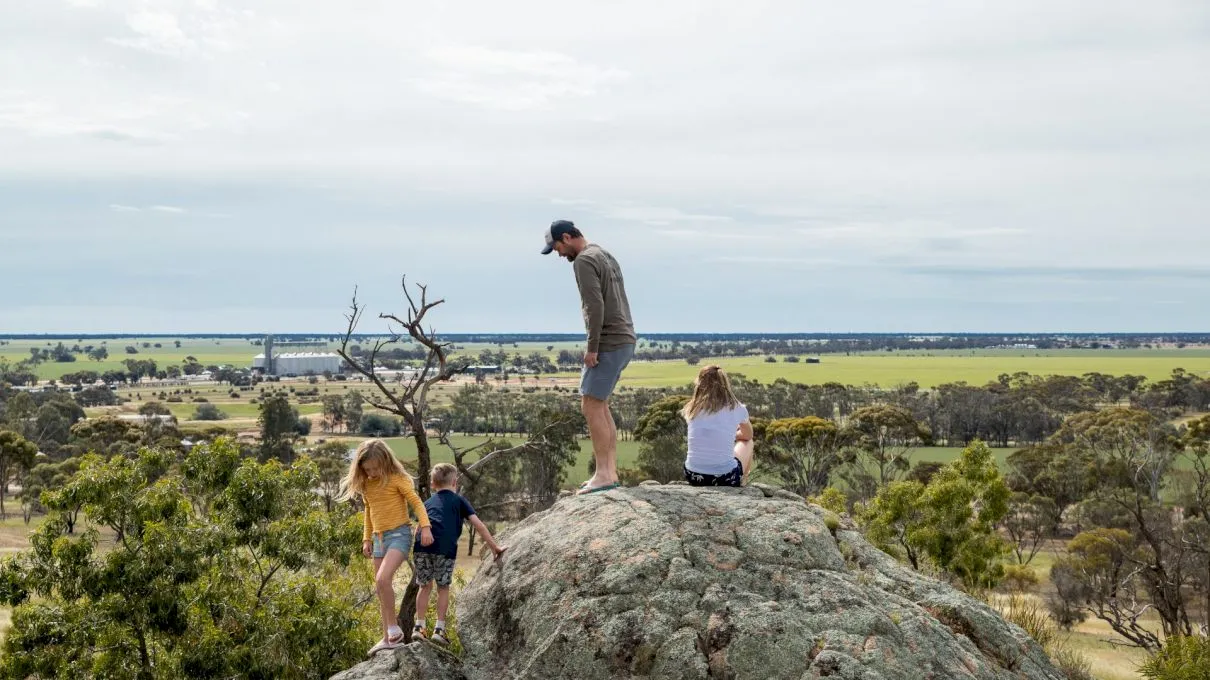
[1094, 639]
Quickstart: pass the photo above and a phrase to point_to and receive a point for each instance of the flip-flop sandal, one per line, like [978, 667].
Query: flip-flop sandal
[596, 489]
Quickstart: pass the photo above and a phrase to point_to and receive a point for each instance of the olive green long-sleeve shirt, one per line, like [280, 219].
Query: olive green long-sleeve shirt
[603, 300]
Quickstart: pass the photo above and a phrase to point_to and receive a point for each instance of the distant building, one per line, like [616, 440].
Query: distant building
[143, 419]
[299, 363]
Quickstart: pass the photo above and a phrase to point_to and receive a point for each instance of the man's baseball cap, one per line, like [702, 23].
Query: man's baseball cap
[555, 232]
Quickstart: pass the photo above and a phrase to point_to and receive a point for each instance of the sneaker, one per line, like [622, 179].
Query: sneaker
[418, 633]
[439, 636]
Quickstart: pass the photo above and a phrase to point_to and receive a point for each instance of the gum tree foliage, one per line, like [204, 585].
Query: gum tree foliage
[802, 453]
[16, 456]
[219, 567]
[950, 522]
[661, 433]
[884, 436]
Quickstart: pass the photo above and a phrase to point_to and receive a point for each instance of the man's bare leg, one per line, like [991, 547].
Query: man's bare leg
[604, 434]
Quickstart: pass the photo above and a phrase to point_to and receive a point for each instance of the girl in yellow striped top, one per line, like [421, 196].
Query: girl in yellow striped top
[387, 490]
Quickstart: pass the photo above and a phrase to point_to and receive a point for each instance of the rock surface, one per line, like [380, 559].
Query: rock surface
[679, 582]
[417, 661]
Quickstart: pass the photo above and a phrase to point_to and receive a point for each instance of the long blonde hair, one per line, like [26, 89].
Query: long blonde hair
[374, 452]
[711, 393]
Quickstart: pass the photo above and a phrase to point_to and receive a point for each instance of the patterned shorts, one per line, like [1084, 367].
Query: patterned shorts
[733, 478]
[433, 567]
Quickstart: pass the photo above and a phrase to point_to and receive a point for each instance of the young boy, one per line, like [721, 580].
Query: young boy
[446, 510]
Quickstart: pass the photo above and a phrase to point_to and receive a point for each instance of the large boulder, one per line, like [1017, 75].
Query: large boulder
[680, 582]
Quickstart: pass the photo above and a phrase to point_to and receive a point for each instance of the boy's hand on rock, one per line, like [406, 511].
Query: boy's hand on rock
[500, 552]
[426, 537]
[367, 548]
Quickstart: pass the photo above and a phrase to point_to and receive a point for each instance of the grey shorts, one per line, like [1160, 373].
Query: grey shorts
[399, 538]
[434, 567]
[598, 382]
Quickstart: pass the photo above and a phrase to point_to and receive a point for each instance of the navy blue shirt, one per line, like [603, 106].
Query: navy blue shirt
[447, 510]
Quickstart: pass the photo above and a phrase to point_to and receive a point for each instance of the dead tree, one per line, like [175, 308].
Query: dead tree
[410, 400]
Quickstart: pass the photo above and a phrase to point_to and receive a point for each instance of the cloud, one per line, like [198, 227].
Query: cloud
[1073, 272]
[171, 209]
[157, 32]
[764, 141]
[511, 80]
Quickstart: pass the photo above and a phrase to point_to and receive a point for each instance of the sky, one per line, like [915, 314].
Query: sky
[191, 166]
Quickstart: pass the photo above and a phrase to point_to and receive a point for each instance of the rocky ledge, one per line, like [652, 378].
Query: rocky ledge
[669, 581]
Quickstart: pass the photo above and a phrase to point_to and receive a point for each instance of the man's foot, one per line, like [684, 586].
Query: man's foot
[595, 489]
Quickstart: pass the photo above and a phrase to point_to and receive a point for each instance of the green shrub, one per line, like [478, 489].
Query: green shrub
[1182, 658]
[1020, 578]
[832, 499]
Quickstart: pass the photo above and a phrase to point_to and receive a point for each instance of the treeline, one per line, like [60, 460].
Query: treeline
[1014, 410]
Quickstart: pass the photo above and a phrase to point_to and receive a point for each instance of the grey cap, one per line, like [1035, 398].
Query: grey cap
[555, 232]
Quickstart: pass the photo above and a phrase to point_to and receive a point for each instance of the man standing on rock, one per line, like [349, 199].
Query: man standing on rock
[611, 342]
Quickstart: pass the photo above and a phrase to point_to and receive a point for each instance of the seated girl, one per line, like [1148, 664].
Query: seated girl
[720, 433]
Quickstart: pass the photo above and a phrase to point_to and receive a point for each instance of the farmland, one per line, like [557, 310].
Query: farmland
[886, 369]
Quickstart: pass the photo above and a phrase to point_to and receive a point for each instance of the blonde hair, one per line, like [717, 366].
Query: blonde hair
[711, 393]
[375, 452]
[443, 475]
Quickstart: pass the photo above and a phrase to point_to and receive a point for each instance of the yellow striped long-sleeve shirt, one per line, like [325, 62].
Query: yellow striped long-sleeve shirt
[385, 505]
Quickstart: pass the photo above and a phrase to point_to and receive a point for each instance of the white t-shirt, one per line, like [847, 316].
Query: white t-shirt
[712, 440]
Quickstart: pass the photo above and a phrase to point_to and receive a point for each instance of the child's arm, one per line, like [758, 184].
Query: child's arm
[422, 515]
[486, 535]
[743, 433]
[367, 545]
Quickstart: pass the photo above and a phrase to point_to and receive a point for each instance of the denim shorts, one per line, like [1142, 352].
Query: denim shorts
[399, 538]
[598, 381]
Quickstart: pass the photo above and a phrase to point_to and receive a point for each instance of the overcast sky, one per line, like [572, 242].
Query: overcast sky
[241, 165]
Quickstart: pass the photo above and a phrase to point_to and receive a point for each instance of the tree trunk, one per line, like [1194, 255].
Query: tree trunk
[423, 458]
[407, 609]
[470, 549]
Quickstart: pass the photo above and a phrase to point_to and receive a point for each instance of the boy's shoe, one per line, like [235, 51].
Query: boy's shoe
[418, 633]
[439, 636]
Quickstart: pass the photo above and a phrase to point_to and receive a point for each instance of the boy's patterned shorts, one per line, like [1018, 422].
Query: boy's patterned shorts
[434, 567]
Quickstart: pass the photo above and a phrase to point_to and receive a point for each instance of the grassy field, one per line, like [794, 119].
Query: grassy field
[929, 370]
[881, 368]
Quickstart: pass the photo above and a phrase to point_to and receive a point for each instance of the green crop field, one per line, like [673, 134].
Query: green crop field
[929, 370]
[207, 351]
[885, 369]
